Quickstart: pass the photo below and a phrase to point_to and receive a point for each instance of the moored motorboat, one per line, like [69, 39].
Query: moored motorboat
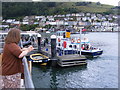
[39, 58]
[92, 52]
[75, 46]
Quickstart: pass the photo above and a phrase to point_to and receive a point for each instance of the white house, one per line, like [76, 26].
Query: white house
[67, 15]
[105, 23]
[77, 14]
[82, 14]
[4, 26]
[88, 14]
[10, 20]
[78, 18]
[52, 23]
[51, 19]
[25, 23]
[16, 22]
[84, 18]
[43, 19]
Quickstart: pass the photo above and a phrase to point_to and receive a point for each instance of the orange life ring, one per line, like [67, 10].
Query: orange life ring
[59, 40]
[78, 41]
[72, 40]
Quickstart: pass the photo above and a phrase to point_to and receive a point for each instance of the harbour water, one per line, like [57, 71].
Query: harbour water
[100, 72]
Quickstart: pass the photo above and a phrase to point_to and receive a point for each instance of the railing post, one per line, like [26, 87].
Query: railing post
[39, 42]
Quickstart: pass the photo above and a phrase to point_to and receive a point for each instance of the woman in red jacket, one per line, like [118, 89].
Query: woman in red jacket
[12, 66]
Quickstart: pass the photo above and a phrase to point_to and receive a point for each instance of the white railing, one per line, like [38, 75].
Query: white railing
[27, 76]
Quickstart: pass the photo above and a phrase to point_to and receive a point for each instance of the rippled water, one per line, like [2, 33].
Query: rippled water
[101, 72]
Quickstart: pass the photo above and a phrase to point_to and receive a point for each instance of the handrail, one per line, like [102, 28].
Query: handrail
[27, 77]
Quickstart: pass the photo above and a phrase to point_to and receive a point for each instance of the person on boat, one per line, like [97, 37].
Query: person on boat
[46, 41]
[86, 47]
[83, 47]
[91, 48]
[12, 66]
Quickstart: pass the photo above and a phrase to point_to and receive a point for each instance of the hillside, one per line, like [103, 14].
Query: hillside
[19, 9]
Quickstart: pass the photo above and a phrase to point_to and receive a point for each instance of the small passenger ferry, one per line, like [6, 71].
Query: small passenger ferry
[73, 45]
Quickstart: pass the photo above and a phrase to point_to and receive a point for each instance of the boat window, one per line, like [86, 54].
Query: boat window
[75, 46]
[58, 44]
[86, 47]
[64, 35]
[70, 46]
[59, 34]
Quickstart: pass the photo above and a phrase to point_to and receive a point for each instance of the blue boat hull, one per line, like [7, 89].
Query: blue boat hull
[66, 52]
[97, 53]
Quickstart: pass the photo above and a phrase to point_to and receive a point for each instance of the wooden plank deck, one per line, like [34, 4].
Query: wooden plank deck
[71, 57]
[71, 60]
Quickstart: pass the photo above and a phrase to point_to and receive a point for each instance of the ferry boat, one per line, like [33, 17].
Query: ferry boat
[71, 45]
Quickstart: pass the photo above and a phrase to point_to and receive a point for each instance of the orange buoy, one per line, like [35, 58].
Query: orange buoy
[59, 40]
[78, 41]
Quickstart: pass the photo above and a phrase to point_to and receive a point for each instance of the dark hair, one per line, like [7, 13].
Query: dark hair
[13, 36]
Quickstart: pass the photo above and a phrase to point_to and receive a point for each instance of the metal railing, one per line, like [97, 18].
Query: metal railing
[27, 76]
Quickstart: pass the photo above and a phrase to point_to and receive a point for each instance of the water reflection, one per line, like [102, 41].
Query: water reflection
[55, 76]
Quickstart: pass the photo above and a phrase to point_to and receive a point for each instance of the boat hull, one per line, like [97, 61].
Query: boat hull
[97, 53]
[84, 52]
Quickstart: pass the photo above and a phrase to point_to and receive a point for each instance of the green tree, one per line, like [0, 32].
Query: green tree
[28, 27]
